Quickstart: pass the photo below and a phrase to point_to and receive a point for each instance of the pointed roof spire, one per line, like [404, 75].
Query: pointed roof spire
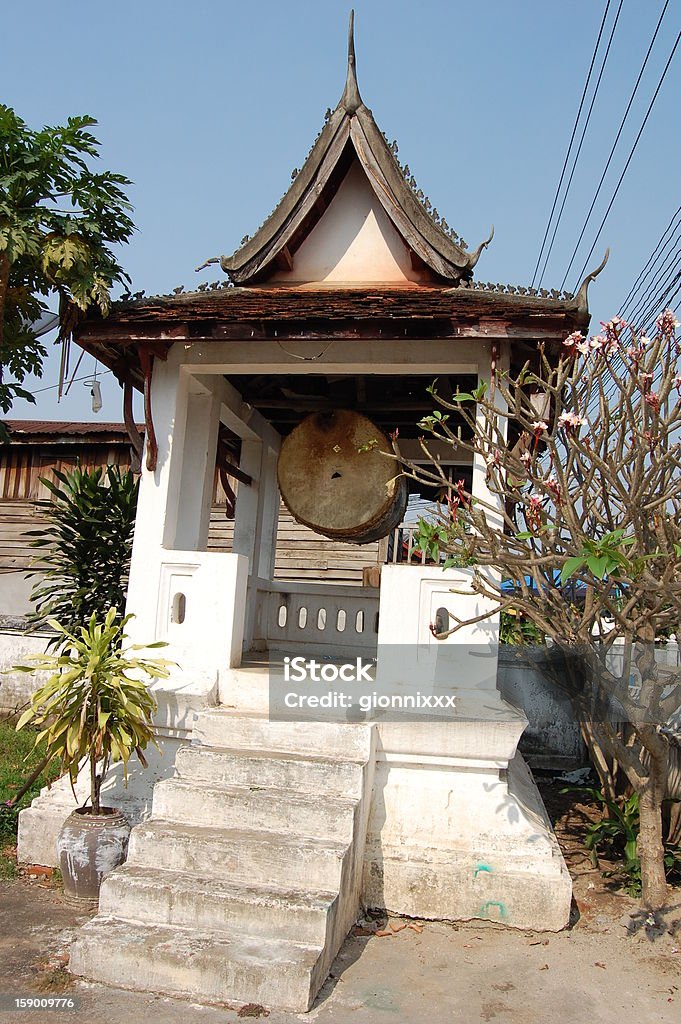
[350, 129]
[351, 100]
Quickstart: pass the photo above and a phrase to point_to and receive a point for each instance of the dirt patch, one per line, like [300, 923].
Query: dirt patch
[599, 969]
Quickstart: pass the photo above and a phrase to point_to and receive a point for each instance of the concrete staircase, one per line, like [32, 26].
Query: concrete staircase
[246, 879]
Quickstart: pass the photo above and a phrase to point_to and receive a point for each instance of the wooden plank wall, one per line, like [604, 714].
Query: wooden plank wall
[21, 467]
[16, 517]
[301, 556]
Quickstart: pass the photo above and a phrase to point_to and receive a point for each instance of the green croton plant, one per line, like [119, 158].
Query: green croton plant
[96, 706]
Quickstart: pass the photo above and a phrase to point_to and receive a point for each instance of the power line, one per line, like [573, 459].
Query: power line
[572, 139]
[643, 301]
[644, 304]
[87, 376]
[652, 305]
[581, 143]
[614, 145]
[629, 158]
[652, 261]
[666, 294]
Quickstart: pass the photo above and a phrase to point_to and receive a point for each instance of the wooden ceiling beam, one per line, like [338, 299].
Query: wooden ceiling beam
[284, 259]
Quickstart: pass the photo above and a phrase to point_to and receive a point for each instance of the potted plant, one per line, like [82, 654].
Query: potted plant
[94, 709]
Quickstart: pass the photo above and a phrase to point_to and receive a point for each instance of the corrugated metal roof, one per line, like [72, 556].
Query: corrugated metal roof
[58, 428]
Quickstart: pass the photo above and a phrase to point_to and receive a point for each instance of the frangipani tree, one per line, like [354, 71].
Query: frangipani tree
[583, 454]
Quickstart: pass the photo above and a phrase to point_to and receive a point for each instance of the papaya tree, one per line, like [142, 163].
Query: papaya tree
[581, 534]
[59, 223]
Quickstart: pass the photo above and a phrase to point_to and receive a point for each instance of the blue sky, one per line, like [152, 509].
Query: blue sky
[209, 106]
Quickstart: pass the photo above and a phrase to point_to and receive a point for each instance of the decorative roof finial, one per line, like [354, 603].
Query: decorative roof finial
[351, 99]
[582, 299]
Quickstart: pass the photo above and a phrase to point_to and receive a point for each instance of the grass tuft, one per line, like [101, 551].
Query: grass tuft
[18, 759]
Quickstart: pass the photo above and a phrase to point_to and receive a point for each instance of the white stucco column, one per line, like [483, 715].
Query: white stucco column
[257, 509]
[255, 523]
[197, 473]
[157, 505]
[178, 592]
[480, 488]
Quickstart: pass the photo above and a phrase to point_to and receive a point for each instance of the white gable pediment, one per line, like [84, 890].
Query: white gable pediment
[353, 243]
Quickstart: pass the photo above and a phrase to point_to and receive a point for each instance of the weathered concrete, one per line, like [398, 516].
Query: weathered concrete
[482, 847]
[240, 890]
[16, 647]
[471, 973]
[552, 738]
[40, 823]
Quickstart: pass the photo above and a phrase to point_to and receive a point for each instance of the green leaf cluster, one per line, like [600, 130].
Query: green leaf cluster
[435, 418]
[615, 836]
[95, 706]
[60, 222]
[431, 539]
[19, 757]
[517, 630]
[86, 545]
[602, 557]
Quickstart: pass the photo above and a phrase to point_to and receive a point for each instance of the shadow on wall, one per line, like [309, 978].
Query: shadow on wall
[552, 738]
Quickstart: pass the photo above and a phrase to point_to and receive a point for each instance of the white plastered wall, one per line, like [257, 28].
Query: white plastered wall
[355, 242]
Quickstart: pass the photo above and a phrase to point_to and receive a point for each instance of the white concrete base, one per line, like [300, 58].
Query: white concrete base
[492, 854]
[457, 827]
[40, 823]
[16, 647]
[247, 870]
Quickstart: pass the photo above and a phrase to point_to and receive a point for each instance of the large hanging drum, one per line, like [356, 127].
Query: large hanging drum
[328, 484]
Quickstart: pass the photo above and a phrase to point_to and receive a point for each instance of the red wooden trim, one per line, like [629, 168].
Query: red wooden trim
[147, 363]
[230, 504]
[493, 367]
[136, 439]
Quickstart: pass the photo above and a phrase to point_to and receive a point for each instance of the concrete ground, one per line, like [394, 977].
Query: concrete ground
[611, 965]
[596, 972]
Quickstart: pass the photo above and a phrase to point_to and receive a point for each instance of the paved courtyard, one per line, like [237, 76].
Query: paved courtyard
[594, 973]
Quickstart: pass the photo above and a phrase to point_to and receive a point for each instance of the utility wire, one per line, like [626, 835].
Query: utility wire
[667, 268]
[51, 387]
[629, 158]
[581, 143]
[653, 304]
[666, 294]
[614, 145]
[652, 261]
[572, 139]
[634, 301]
[631, 303]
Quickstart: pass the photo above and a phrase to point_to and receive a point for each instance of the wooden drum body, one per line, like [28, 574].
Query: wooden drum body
[330, 485]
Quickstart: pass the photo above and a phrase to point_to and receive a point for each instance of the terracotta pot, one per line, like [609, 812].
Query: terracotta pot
[89, 847]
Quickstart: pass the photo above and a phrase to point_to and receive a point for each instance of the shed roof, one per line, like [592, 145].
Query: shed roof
[54, 430]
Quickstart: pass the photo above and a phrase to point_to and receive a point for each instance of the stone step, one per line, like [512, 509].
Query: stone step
[221, 727]
[207, 903]
[243, 854]
[309, 773]
[273, 810]
[209, 966]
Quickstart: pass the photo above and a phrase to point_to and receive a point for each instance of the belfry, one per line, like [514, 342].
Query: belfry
[259, 836]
